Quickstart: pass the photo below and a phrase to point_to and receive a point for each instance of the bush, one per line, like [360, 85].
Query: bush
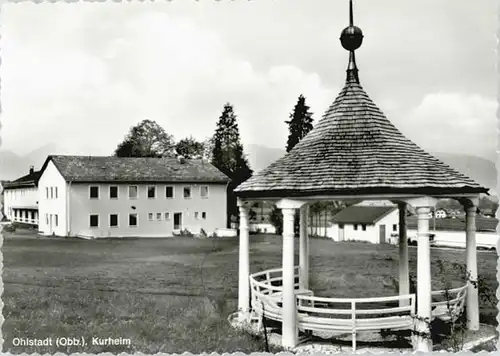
[9, 228]
[184, 232]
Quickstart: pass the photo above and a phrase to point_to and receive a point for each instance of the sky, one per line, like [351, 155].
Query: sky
[80, 75]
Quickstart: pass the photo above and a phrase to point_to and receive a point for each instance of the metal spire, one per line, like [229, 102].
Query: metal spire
[351, 21]
[351, 39]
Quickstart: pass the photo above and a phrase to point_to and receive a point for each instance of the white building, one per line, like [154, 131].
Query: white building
[260, 214]
[142, 197]
[20, 198]
[449, 232]
[440, 214]
[363, 222]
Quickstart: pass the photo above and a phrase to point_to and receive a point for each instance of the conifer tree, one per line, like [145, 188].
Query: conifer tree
[228, 156]
[300, 123]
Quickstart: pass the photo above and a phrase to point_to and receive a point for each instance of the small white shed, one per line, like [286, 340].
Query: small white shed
[375, 224]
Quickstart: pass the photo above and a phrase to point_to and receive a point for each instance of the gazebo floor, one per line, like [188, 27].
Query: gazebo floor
[336, 342]
[373, 342]
[369, 341]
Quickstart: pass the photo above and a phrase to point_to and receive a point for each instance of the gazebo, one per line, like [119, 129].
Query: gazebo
[354, 153]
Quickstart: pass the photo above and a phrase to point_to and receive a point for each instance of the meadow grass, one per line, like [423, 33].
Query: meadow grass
[174, 295]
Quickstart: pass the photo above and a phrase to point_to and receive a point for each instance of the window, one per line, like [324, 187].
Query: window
[169, 191]
[51, 193]
[55, 191]
[94, 192]
[46, 216]
[187, 192]
[158, 216]
[132, 219]
[56, 220]
[113, 220]
[355, 227]
[150, 216]
[363, 227]
[196, 215]
[394, 227]
[204, 191]
[94, 220]
[132, 192]
[152, 192]
[167, 216]
[203, 215]
[113, 192]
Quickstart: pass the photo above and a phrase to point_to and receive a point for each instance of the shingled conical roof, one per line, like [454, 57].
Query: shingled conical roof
[354, 149]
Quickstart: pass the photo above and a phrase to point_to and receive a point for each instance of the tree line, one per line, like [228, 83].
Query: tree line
[223, 149]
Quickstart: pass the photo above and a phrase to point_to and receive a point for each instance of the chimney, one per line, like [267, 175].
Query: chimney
[32, 169]
[181, 159]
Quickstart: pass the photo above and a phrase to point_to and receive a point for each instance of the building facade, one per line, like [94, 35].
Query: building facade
[441, 214]
[98, 197]
[362, 222]
[260, 221]
[2, 201]
[20, 199]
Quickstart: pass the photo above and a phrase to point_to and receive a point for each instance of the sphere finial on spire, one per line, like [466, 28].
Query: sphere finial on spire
[352, 36]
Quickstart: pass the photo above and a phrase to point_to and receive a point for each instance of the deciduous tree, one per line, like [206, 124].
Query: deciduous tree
[190, 148]
[146, 139]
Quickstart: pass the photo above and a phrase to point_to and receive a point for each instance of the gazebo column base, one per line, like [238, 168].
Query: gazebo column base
[241, 320]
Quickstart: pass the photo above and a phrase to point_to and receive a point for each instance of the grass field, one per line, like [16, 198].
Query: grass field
[173, 295]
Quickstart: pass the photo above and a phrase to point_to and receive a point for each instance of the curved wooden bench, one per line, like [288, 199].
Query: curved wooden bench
[452, 306]
[345, 314]
[354, 314]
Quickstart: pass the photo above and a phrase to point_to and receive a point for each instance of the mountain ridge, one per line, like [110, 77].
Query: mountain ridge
[482, 170]
[479, 169]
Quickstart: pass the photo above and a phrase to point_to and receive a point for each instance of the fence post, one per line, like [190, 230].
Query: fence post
[353, 312]
[413, 305]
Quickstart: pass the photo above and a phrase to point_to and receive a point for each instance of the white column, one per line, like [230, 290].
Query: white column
[471, 253]
[424, 343]
[404, 277]
[289, 325]
[244, 265]
[304, 249]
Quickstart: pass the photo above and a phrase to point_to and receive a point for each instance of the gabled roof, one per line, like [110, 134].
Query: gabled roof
[360, 214]
[29, 180]
[133, 169]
